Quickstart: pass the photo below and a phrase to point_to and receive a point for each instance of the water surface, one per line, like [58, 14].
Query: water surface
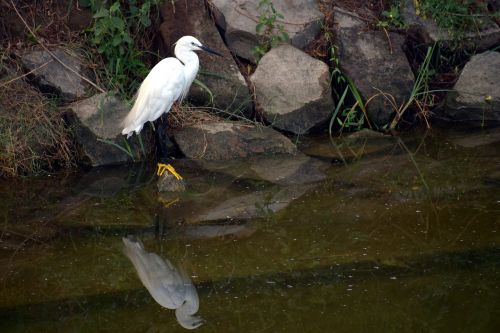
[402, 237]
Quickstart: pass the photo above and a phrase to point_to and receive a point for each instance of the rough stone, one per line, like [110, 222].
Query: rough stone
[217, 231]
[278, 169]
[427, 31]
[222, 140]
[302, 21]
[293, 90]
[477, 139]
[253, 205]
[169, 183]
[228, 88]
[373, 64]
[96, 124]
[476, 96]
[349, 147]
[54, 78]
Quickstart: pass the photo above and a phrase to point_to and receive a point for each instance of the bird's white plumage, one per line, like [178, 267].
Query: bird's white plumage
[166, 83]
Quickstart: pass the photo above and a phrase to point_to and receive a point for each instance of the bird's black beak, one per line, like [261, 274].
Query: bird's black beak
[209, 50]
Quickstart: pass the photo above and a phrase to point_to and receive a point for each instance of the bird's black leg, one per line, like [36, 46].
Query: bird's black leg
[162, 138]
[164, 146]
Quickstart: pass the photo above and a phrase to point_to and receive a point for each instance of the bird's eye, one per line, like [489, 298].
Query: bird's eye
[192, 43]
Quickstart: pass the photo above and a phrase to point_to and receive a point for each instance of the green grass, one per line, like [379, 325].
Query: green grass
[458, 17]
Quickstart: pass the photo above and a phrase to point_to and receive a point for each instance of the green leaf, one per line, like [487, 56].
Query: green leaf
[146, 21]
[117, 23]
[115, 8]
[259, 27]
[116, 40]
[103, 12]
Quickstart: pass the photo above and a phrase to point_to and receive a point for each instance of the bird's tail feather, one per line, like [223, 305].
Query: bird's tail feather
[133, 121]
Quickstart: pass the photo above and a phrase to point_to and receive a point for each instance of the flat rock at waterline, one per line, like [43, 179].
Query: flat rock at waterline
[293, 90]
[253, 205]
[52, 77]
[224, 140]
[475, 98]
[348, 147]
[228, 88]
[374, 64]
[279, 169]
[478, 139]
[96, 124]
[238, 19]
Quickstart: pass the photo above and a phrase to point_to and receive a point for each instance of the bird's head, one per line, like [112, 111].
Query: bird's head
[189, 43]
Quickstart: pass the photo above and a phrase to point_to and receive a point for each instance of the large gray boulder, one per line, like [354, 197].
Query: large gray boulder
[238, 19]
[293, 89]
[223, 140]
[374, 65]
[96, 125]
[476, 95]
[52, 77]
[228, 88]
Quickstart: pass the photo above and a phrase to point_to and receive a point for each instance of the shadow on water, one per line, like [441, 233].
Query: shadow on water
[404, 238]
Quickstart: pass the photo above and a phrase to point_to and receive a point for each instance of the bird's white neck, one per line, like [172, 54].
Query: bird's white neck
[190, 61]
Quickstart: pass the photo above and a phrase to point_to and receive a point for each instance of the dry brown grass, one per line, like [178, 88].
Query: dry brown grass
[33, 136]
[182, 116]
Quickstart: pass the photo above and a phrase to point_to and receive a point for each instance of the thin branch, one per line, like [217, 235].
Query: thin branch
[20, 77]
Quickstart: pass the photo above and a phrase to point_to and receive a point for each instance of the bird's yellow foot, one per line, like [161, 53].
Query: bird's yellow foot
[161, 168]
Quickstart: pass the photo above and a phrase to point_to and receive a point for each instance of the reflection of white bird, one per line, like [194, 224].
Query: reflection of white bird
[169, 287]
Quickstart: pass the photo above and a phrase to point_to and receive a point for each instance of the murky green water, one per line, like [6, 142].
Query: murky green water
[392, 242]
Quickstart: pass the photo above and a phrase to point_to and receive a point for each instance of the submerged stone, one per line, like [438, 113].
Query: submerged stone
[253, 205]
[277, 169]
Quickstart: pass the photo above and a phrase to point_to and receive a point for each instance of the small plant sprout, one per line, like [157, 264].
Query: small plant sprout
[273, 32]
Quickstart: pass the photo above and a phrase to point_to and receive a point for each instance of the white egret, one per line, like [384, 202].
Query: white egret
[166, 83]
[169, 287]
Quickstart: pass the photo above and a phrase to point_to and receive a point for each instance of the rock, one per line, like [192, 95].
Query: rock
[54, 78]
[238, 19]
[474, 140]
[222, 140]
[427, 31]
[476, 95]
[228, 88]
[277, 169]
[169, 183]
[96, 124]
[349, 147]
[253, 205]
[239, 231]
[293, 90]
[373, 64]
